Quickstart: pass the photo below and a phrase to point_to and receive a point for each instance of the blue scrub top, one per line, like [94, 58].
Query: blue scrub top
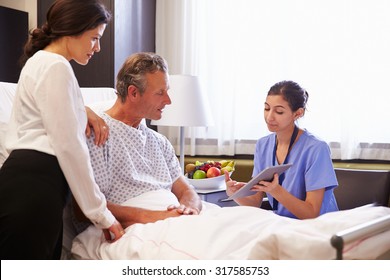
[312, 169]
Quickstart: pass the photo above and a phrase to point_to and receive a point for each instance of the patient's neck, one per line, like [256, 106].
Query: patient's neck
[120, 113]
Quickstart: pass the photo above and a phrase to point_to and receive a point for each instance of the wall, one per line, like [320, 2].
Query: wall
[137, 34]
[132, 30]
[14, 34]
[29, 6]
[17, 17]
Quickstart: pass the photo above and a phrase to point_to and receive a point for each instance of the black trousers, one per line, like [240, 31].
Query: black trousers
[33, 193]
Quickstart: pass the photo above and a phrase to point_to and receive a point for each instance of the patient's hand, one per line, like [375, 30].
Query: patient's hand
[114, 232]
[98, 125]
[184, 210]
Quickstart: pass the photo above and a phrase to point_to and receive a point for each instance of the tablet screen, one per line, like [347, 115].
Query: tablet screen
[265, 175]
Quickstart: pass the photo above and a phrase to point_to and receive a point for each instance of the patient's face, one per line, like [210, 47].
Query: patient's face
[155, 97]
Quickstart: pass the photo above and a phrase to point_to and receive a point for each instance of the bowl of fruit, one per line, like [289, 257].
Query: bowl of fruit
[208, 174]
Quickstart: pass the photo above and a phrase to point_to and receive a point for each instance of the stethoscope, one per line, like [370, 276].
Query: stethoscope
[294, 135]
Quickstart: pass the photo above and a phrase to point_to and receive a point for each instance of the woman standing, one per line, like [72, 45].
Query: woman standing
[306, 189]
[46, 137]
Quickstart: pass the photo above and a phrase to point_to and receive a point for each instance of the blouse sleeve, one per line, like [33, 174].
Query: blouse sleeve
[64, 118]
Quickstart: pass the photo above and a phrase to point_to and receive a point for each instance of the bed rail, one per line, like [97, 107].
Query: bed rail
[364, 230]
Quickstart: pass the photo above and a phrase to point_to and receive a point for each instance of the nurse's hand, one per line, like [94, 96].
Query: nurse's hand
[231, 185]
[267, 187]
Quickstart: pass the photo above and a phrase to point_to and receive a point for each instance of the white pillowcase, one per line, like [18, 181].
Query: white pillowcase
[3, 152]
[7, 93]
[101, 106]
[93, 95]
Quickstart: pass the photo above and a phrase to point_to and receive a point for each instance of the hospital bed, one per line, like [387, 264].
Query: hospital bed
[224, 233]
[243, 233]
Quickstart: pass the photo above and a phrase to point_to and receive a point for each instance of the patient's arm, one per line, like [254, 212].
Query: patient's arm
[190, 202]
[128, 215]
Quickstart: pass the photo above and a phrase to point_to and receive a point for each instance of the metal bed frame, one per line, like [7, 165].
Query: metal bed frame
[358, 232]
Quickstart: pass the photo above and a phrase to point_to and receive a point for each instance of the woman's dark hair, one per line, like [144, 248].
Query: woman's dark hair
[66, 18]
[293, 93]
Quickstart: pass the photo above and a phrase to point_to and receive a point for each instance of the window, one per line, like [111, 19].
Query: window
[337, 49]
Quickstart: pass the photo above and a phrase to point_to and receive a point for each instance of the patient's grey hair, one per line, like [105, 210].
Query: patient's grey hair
[134, 70]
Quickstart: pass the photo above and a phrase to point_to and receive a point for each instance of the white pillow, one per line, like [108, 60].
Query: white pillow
[7, 93]
[101, 106]
[3, 152]
[93, 95]
[99, 99]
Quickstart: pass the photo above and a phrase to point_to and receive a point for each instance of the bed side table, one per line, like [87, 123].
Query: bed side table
[215, 196]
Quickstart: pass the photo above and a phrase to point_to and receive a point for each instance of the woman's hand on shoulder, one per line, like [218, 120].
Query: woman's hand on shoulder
[98, 125]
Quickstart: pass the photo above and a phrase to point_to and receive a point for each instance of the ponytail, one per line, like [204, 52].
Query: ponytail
[39, 39]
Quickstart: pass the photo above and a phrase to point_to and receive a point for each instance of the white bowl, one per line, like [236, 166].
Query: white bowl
[208, 183]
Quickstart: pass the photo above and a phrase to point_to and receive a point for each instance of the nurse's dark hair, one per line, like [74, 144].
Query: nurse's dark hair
[65, 18]
[292, 92]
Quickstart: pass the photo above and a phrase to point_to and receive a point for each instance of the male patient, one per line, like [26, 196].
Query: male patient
[136, 159]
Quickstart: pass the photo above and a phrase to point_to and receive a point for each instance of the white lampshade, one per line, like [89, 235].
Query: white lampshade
[190, 107]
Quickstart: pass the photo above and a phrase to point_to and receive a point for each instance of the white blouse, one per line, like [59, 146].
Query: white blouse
[49, 116]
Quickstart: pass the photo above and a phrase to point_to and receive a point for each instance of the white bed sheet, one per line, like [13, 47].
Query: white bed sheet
[232, 233]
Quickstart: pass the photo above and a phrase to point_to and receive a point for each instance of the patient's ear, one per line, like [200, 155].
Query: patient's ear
[132, 91]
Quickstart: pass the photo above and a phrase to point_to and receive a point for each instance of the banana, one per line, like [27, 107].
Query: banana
[224, 162]
[227, 168]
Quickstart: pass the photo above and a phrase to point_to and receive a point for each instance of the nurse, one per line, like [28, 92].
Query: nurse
[306, 189]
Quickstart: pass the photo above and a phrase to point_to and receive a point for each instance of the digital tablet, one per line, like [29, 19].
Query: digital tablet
[265, 175]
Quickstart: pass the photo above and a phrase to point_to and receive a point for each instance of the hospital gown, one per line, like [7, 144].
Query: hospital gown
[132, 161]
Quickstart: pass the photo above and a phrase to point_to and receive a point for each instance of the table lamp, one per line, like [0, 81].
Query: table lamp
[189, 107]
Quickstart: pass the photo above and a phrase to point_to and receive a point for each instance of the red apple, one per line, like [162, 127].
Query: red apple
[213, 172]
